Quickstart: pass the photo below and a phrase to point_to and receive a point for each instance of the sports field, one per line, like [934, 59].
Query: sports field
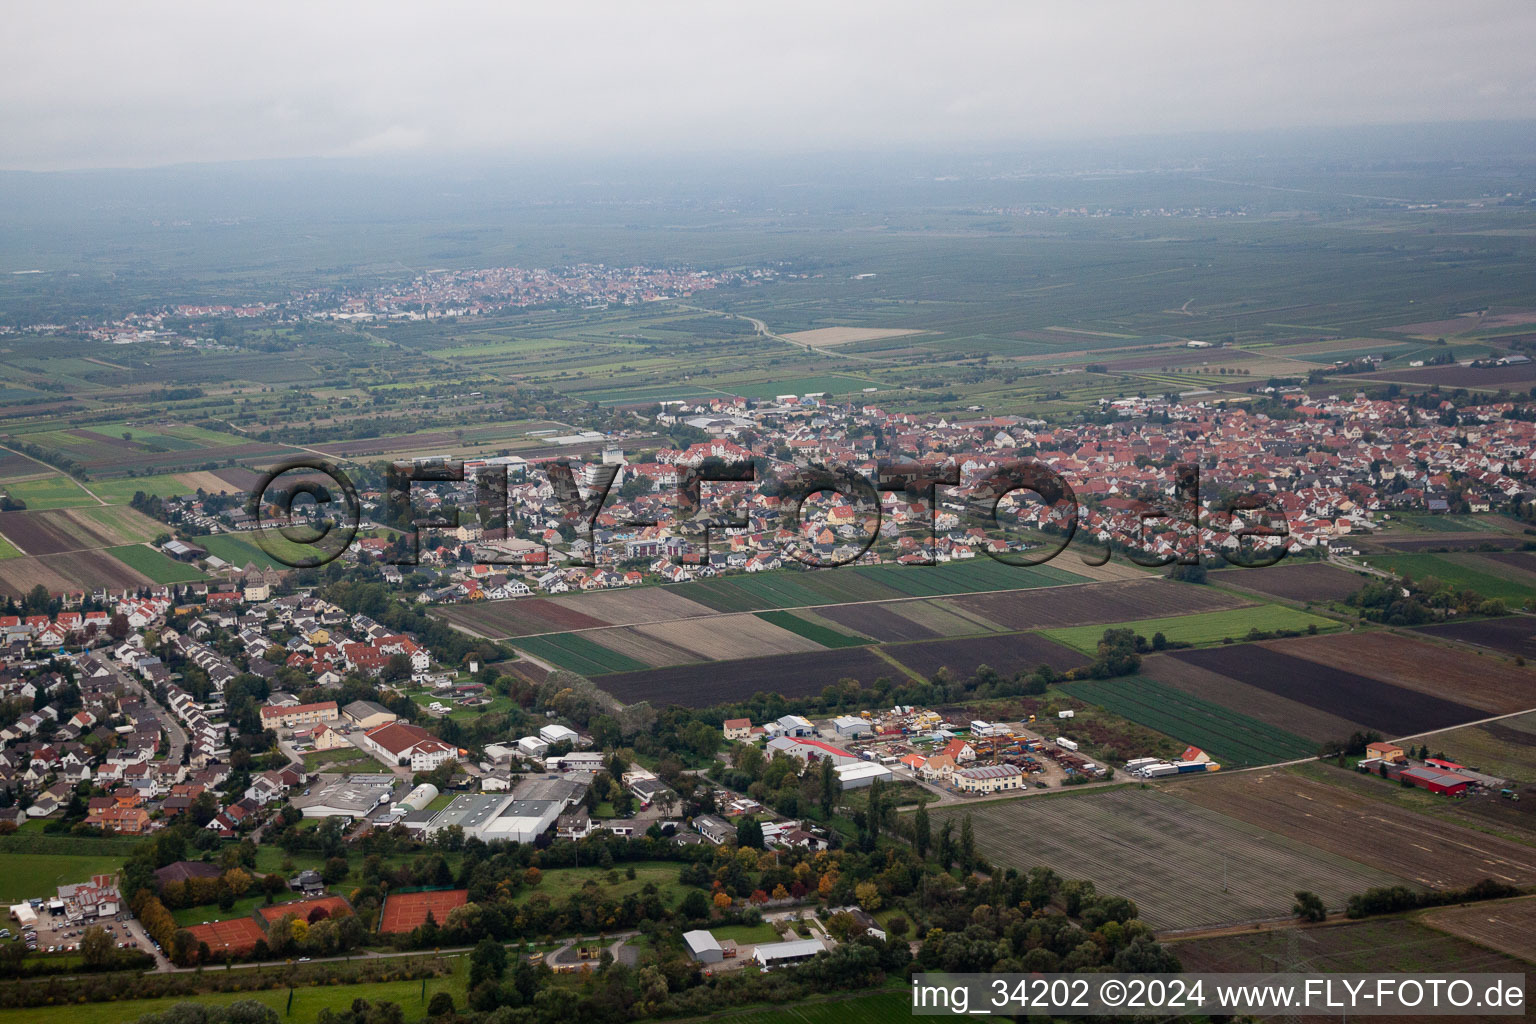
[408, 910]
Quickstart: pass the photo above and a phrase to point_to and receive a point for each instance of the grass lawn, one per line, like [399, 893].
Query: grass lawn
[746, 934]
[243, 908]
[7, 549]
[157, 565]
[57, 491]
[29, 875]
[239, 550]
[307, 1002]
[561, 883]
[1200, 628]
[271, 858]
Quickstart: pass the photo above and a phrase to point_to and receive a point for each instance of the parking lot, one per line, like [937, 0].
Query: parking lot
[57, 934]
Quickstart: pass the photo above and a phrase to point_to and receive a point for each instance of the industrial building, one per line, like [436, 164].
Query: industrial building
[807, 750]
[351, 797]
[1436, 781]
[860, 774]
[497, 818]
[851, 726]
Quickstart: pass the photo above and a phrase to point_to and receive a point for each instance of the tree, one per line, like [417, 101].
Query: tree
[922, 832]
[118, 628]
[1309, 906]
[828, 787]
[96, 947]
[749, 834]
[441, 1005]
[967, 845]
[487, 962]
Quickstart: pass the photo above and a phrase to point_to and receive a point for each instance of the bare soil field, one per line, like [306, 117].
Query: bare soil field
[831, 337]
[1518, 376]
[1421, 848]
[1458, 541]
[58, 530]
[18, 467]
[1267, 707]
[627, 607]
[721, 682]
[1520, 564]
[1297, 581]
[728, 637]
[1380, 944]
[1184, 865]
[1489, 683]
[945, 617]
[877, 620]
[1514, 635]
[1505, 925]
[1098, 602]
[651, 650]
[524, 617]
[1393, 710]
[61, 573]
[1007, 654]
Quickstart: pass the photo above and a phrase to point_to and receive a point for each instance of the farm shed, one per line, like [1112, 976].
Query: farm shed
[703, 947]
[1442, 783]
[850, 725]
[772, 954]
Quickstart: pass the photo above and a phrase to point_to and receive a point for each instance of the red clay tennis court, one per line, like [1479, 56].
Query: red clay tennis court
[408, 910]
[238, 935]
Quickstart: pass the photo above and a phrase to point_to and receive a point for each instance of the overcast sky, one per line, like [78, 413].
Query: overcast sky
[135, 84]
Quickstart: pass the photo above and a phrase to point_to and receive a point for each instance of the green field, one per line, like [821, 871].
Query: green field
[242, 908]
[1463, 570]
[1201, 628]
[561, 883]
[824, 635]
[239, 549]
[1231, 738]
[7, 549]
[331, 760]
[121, 489]
[308, 1002]
[29, 875]
[157, 565]
[56, 491]
[574, 652]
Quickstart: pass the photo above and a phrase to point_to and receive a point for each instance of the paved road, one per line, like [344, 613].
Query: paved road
[173, 730]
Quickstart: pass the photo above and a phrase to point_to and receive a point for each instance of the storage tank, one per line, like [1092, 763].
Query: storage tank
[418, 798]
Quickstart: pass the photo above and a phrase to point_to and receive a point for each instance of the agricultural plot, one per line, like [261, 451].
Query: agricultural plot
[1006, 654]
[647, 650]
[521, 617]
[1200, 628]
[1491, 684]
[76, 529]
[728, 637]
[1466, 570]
[7, 549]
[1269, 708]
[1184, 866]
[1504, 925]
[155, 564]
[1095, 602]
[70, 571]
[1514, 635]
[1390, 944]
[815, 632]
[1506, 748]
[719, 682]
[1356, 824]
[1299, 581]
[879, 621]
[575, 652]
[57, 491]
[627, 607]
[1231, 738]
[830, 337]
[1393, 710]
[242, 549]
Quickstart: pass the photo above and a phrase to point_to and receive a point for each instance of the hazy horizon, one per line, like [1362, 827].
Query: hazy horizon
[171, 83]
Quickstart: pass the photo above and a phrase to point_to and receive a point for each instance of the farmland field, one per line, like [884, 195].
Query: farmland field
[1506, 748]
[7, 549]
[1230, 737]
[57, 491]
[1356, 825]
[72, 570]
[826, 636]
[1514, 634]
[1006, 654]
[158, 566]
[1505, 925]
[1302, 581]
[1202, 628]
[726, 637]
[1392, 709]
[1270, 708]
[1183, 865]
[1096, 602]
[575, 652]
[1464, 569]
[1488, 683]
[1392, 944]
[58, 530]
[718, 682]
